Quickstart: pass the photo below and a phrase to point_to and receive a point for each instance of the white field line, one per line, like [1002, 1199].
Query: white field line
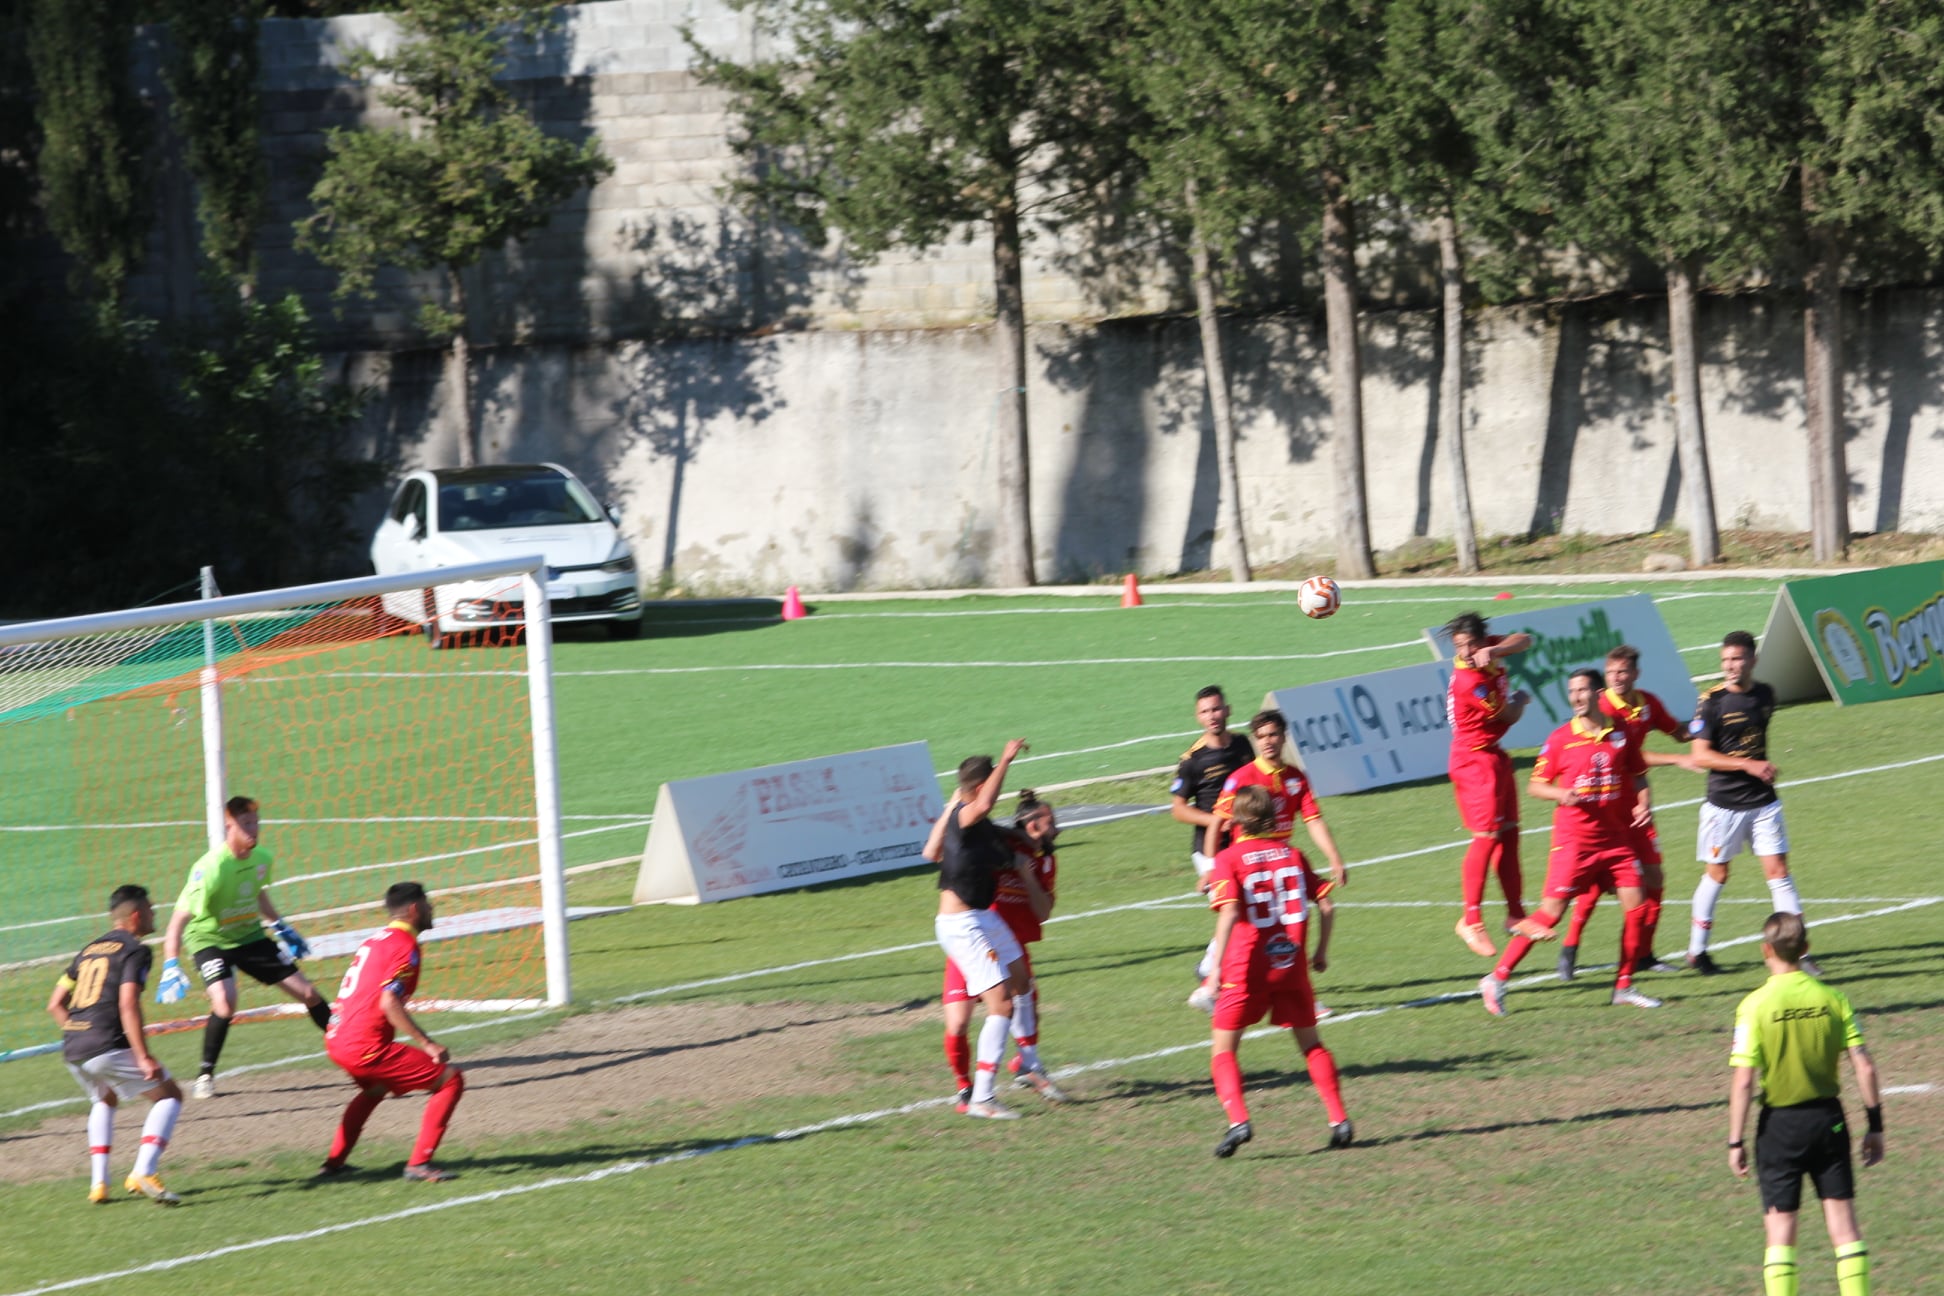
[849, 1120]
[347, 819]
[1910, 1089]
[1057, 663]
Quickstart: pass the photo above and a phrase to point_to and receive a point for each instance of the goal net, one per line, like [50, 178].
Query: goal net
[373, 758]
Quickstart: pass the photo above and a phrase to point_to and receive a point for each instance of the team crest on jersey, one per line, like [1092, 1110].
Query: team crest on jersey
[1292, 786]
[1696, 725]
[1481, 690]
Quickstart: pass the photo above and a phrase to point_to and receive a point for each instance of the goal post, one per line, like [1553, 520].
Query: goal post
[374, 758]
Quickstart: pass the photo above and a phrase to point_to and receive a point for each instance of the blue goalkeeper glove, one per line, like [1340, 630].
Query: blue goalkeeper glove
[297, 945]
[173, 985]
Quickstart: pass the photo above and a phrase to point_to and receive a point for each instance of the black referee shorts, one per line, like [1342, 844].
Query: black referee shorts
[263, 959]
[1808, 1139]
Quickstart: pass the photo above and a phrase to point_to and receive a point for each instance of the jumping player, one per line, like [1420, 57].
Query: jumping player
[1584, 770]
[1636, 713]
[1730, 733]
[1481, 710]
[98, 1005]
[1289, 790]
[370, 1012]
[1260, 891]
[1024, 901]
[1793, 1031]
[972, 853]
[219, 919]
[1217, 753]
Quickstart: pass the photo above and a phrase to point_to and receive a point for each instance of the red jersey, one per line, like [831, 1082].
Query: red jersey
[1476, 704]
[1636, 716]
[359, 1031]
[1288, 787]
[1011, 904]
[1273, 884]
[1594, 764]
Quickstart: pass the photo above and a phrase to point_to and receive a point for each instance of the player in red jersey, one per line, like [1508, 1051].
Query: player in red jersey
[365, 1021]
[1289, 791]
[1636, 713]
[1260, 891]
[1481, 708]
[1024, 901]
[1584, 770]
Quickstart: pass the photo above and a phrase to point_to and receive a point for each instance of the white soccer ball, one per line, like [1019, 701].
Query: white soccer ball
[1319, 597]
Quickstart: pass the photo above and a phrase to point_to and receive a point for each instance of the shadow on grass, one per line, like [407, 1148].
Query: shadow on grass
[564, 1064]
[1259, 1081]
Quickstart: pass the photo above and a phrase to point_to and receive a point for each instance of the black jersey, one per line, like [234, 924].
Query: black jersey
[1736, 724]
[1204, 768]
[97, 974]
[974, 858]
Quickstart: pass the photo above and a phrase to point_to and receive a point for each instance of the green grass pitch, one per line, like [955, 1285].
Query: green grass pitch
[1571, 1147]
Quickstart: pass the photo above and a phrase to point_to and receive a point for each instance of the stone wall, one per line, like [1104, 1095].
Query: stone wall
[769, 413]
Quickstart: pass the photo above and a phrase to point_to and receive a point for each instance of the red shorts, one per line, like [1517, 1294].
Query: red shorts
[1283, 993]
[955, 979]
[1573, 869]
[399, 1067]
[1488, 799]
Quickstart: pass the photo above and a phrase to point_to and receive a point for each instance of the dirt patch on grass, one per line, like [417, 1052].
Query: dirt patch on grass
[595, 1066]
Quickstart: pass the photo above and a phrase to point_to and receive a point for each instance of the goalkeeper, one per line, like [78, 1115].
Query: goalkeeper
[220, 918]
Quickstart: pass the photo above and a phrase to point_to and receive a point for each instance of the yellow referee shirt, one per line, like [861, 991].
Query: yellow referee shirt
[1795, 1030]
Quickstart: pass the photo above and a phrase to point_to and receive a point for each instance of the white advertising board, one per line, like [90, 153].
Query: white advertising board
[1581, 634]
[1372, 730]
[785, 826]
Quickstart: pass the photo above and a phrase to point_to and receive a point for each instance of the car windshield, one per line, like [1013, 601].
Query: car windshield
[495, 505]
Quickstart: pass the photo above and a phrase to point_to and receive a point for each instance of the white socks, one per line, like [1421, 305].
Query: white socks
[156, 1132]
[1025, 1029]
[1210, 960]
[992, 1048]
[1706, 892]
[1783, 891]
[101, 1135]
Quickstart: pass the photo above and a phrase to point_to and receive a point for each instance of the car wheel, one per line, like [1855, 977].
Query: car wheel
[624, 629]
[435, 638]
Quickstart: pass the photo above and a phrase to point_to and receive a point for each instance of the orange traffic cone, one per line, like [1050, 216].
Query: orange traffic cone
[1130, 592]
[793, 609]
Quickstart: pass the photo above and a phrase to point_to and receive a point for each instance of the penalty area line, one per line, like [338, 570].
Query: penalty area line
[846, 1121]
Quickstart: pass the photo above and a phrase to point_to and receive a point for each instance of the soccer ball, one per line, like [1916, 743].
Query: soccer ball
[1318, 597]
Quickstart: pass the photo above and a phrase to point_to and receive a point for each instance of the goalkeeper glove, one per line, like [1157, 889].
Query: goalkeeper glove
[174, 985]
[297, 945]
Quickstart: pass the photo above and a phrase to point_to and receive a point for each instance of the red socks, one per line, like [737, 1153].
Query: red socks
[958, 1056]
[1633, 943]
[1515, 949]
[352, 1124]
[1227, 1074]
[1505, 862]
[1477, 863]
[438, 1113]
[1582, 910]
[1323, 1074]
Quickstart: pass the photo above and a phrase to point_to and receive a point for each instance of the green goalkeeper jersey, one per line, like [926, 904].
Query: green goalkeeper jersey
[1795, 1030]
[221, 900]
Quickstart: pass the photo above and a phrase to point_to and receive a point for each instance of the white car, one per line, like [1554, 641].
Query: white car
[441, 517]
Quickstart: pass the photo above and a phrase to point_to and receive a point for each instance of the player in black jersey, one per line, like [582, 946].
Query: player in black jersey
[971, 851]
[1198, 780]
[1729, 736]
[98, 1005]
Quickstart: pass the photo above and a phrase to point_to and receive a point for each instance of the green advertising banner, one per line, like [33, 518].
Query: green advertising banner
[1859, 637]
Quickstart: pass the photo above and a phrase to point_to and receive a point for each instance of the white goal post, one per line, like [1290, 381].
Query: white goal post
[51, 670]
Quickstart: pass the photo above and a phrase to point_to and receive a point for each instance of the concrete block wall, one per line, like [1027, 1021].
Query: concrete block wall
[771, 413]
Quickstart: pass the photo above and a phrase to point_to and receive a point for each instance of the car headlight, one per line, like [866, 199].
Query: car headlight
[617, 566]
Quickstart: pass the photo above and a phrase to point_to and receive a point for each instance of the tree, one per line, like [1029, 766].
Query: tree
[907, 125]
[468, 173]
[94, 138]
[212, 77]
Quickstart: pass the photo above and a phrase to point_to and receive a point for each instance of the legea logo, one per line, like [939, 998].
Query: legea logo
[1909, 643]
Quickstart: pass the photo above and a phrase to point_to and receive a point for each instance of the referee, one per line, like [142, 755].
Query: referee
[1794, 1030]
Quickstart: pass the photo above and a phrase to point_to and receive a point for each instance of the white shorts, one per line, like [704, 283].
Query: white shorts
[116, 1072]
[1726, 833]
[982, 946]
[1204, 865]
